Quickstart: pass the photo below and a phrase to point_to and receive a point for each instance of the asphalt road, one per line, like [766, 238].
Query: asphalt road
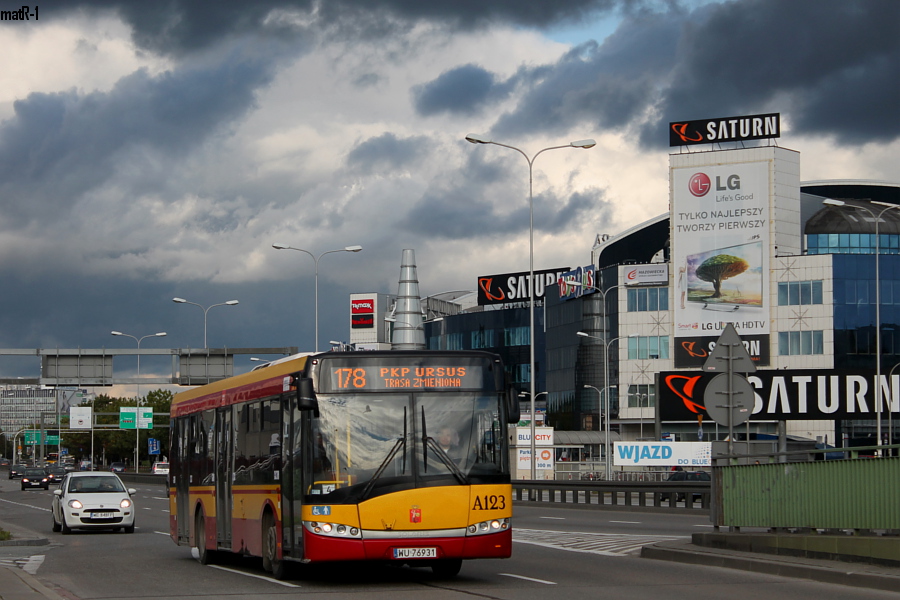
[559, 554]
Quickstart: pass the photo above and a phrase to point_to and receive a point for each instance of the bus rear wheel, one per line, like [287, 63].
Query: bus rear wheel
[203, 555]
[447, 568]
[270, 560]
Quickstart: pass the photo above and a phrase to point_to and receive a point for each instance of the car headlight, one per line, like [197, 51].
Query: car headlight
[125, 503]
[75, 504]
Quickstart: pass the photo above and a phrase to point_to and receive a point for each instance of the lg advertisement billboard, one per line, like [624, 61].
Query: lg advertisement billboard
[720, 255]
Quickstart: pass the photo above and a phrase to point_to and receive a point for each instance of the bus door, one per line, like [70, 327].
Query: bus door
[181, 475]
[224, 459]
[288, 406]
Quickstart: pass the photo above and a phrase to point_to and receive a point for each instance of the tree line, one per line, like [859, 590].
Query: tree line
[117, 445]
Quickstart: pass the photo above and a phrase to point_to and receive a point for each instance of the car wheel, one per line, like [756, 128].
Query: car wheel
[66, 530]
[129, 528]
[56, 526]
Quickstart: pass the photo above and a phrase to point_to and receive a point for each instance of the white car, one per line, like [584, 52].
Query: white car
[160, 468]
[93, 500]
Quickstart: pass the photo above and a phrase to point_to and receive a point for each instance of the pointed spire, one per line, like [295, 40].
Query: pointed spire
[409, 332]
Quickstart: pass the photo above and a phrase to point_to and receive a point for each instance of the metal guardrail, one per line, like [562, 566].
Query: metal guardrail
[631, 495]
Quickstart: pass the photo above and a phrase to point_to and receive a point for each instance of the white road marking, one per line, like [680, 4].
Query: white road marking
[165, 533]
[627, 522]
[25, 505]
[284, 583]
[29, 564]
[554, 518]
[527, 578]
[606, 544]
[33, 563]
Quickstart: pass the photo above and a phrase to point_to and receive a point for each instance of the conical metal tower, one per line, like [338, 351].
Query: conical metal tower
[409, 332]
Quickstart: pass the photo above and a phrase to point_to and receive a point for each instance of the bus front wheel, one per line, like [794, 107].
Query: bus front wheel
[271, 563]
[447, 568]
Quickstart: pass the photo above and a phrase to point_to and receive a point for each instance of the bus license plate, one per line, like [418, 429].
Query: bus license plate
[415, 552]
[103, 515]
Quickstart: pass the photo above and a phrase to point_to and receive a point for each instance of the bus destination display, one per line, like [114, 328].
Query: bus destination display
[404, 377]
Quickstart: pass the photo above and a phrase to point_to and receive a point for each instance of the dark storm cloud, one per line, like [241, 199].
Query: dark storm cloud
[179, 26]
[606, 86]
[386, 152]
[831, 67]
[459, 212]
[595, 87]
[462, 90]
[57, 146]
[78, 310]
[459, 215]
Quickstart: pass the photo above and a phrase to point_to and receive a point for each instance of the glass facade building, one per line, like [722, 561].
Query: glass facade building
[504, 332]
[823, 303]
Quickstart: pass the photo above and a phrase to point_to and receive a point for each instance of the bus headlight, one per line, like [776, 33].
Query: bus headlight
[484, 527]
[338, 530]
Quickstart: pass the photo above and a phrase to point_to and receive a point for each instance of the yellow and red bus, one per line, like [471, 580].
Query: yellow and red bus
[397, 456]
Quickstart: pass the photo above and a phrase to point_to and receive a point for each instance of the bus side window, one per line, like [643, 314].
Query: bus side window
[241, 450]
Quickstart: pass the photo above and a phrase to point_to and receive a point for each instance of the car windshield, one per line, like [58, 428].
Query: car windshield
[95, 484]
[34, 472]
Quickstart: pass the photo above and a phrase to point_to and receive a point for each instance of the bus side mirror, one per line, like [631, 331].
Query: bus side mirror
[512, 405]
[306, 396]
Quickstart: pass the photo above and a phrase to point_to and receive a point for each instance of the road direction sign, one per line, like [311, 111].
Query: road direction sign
[135, 417]
[33, 438]
[719, 400]
[729, 354]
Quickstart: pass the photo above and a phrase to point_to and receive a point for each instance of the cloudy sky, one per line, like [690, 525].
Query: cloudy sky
[158, 149]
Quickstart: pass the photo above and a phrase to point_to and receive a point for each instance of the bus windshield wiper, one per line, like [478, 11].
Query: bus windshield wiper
[400, 443]
[428, 442]
[454, 468]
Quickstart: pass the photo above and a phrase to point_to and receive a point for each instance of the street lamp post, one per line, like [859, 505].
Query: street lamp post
[606, 379]
[205, 311]
[538, 395]
[891, 412]
[315, 258]
[480, 139]
[602, 295]
[641, 398]
[600, 410]
[841, 203]
[137, 421]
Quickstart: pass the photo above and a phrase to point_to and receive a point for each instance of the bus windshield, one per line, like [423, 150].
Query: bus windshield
[366, 445]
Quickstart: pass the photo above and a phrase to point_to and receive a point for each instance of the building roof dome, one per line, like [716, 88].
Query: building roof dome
[856, 216]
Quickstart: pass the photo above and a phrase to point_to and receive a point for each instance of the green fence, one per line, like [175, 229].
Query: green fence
[850, 494]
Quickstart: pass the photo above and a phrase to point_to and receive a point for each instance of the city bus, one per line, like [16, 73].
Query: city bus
[396, 456]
